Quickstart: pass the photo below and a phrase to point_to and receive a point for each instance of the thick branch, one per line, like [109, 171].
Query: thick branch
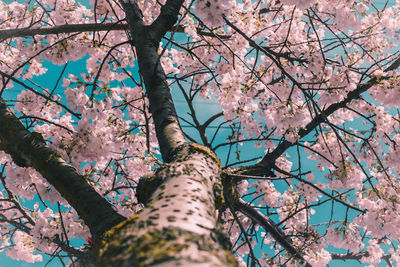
[355, 256]
[166, 19]
[269, 159]
[87, 27]
[168, 130]
[29, 150]
[270, 227]
[66, 28]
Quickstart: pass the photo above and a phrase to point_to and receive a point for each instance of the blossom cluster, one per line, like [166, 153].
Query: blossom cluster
[313, 78]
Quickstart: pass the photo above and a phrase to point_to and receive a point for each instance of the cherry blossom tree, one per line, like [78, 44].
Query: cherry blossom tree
[296, 162]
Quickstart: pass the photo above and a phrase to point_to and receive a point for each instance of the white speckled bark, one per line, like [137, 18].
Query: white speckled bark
[185, 200]
[178, 226]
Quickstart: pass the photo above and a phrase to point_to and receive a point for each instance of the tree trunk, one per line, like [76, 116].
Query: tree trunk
[178, 226]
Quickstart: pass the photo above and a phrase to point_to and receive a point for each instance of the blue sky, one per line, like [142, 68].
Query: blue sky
[207, 108]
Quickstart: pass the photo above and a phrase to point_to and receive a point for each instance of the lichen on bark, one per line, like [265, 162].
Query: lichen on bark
[179, 224]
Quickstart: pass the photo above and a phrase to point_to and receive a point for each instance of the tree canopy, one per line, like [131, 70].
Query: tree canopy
[201, 133]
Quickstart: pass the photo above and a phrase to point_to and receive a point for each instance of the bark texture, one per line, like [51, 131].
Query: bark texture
[178, 226]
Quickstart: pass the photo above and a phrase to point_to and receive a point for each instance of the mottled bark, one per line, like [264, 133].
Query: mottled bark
[178, 226]
[28, 149]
